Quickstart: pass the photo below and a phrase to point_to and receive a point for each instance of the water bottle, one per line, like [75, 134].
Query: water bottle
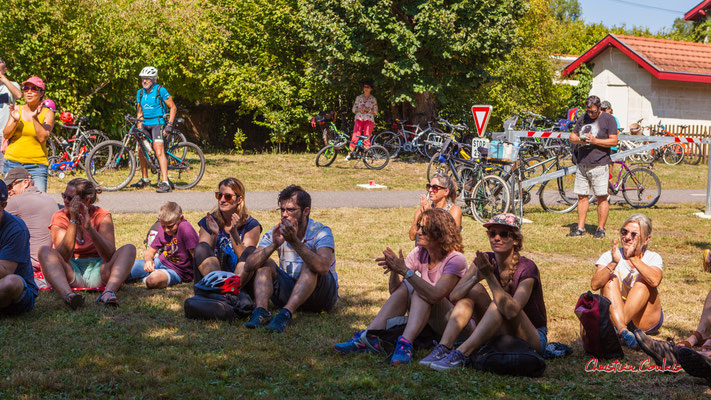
[148, 146]
[494, 149]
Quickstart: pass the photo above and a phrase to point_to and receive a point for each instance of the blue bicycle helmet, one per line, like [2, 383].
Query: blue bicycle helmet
[219, 282]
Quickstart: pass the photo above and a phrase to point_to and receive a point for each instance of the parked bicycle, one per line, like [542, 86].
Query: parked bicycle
[66, 155]
[409, 139]
[674, 153]
[374, 157]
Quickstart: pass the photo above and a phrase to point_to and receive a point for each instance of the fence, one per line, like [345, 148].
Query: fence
[695, 131]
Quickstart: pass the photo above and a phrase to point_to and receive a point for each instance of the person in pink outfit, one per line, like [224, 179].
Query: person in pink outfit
[365, 108]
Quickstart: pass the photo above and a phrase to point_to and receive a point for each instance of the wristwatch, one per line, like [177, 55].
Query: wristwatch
[409, 274]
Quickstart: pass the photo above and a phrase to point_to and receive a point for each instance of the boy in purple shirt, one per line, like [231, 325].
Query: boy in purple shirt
[169, 258]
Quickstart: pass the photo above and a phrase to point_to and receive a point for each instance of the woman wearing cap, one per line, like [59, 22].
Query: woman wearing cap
[27, 131]
[441, 193]
[365, 108]
[517, 308]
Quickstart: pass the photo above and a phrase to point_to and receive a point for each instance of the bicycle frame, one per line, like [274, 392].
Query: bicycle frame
[617, 187]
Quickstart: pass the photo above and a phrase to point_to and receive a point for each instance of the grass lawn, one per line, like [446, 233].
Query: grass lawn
[265, 172]
[147, 349]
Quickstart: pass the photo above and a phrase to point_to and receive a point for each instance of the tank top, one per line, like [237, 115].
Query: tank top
[26, 149]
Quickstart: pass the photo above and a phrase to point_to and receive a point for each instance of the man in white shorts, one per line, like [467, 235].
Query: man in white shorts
[595, 132]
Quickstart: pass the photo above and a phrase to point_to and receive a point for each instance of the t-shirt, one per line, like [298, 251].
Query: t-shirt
[223, 243]
[369, 103]
[627, 275]
[15, 246]
[601, 127]
[453, 263]
[317, 235]
[176, 249]
[35, 209]
[152, 104]
[24, 147]
[84, 248]
[6, 98]
[535, 309]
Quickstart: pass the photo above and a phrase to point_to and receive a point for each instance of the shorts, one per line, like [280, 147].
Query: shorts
[439, 315]
[543, 335]
[323, 298]
[595, 176]
[25, 303]
[154, 132]
[87, 272]
[651, 331]
[139, 273]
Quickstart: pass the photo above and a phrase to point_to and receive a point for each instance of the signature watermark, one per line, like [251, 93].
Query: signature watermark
[646, 365]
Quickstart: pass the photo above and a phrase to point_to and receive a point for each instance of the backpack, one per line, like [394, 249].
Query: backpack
[218, 296]
[395, 327]
[152, 233]
[596, 329]
[509, 355]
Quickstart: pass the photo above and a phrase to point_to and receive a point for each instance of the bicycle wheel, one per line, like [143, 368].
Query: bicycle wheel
[111, 165]
[172, 138]
[390, 140]
[641, 188]
[376, 157]
[326, 156]
[557, 195]
[490, 197]
[692, 153]
[184, 172]
[519, 197]
[436, 165]
[531, 170]
[433, 143]
[673, 154]
[89, 141]
[468, 177]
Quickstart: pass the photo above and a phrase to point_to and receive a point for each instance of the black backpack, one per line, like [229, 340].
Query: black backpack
[509, 355]
[224, 307]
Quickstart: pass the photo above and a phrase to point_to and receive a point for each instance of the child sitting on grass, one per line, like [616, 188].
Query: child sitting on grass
[169, 258]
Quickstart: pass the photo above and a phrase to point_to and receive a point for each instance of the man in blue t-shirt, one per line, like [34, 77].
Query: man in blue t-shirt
[152, 99]
[17, 283]
[305, 278]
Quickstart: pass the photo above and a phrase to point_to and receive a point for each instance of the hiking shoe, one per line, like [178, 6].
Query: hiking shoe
[355, 344]
[440, 352]
[455, 359]
[403, 352]
[661, 352]
[164, 187]
[627, 338]
[279, 322]
[259, 317]
[141, 184]
[599, 233]
[576, 232]
[694, 363]
[707, 260]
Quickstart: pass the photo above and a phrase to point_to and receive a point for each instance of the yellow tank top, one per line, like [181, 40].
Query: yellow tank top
[26, 149]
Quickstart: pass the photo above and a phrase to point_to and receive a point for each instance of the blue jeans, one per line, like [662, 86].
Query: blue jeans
[38, 172]
[138, 272]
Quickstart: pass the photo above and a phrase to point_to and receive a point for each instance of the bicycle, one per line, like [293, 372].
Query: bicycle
[374, 157]
[112, 164]
[416, 140]
[674, 153]
[72, 151]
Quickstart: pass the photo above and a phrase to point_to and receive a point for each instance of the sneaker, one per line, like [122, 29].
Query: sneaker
[599, 233]
[707, 260]
[348, 157]
[356, 345]
[279, 322]
[455, 359]
[627, 338]
[403, 352]
[440, 352]
[576, 232]
[661, 352]
[141, 183]
[259, 317]
[164, 187]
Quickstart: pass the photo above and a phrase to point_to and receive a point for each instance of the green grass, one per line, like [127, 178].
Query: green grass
[147, 349]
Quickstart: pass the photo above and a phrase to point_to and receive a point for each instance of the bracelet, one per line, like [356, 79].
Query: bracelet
[74, 222]
[608, 268]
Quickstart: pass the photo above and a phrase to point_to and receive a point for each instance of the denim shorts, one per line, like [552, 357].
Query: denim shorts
[543, 335]
[139, 273]
[87, 272]
[323, 298]
[24, 304]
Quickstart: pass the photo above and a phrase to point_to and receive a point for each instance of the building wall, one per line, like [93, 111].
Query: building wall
[635, 94]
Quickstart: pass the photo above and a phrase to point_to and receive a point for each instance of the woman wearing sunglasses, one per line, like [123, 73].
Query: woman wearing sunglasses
[419, 285]
[83, 252]
[441, 193]
[27, 131]
[629, 276]
[228, 234]
[514, 308]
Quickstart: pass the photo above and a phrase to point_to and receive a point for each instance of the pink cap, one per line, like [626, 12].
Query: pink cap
[35, 80]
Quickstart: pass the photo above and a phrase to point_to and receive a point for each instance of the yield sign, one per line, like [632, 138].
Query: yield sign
[481, 118]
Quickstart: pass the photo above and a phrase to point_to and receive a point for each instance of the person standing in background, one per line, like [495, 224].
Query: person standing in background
[9, 93]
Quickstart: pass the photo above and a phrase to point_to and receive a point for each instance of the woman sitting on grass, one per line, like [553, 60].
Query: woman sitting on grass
[629, 277]
[441, 193]
[419, 285]
[517, 308]
[83, 252]
[228, 234]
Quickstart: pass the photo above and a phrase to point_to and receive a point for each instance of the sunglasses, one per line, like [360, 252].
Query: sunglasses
[67, 197]
[434, 188]
[624, 232]
[591, 112]
[35, 89]
[502, 234]
[421, 228]
[228, 196]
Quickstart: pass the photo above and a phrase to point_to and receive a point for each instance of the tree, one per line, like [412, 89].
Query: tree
[565, 10]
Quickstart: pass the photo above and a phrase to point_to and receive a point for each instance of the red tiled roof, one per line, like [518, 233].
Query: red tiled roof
[698, 12]
[665, 59]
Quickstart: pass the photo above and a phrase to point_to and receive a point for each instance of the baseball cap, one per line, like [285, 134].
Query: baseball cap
[17, 174]
[605, 104]
[35, 80]
[3, 191]
[506, 219]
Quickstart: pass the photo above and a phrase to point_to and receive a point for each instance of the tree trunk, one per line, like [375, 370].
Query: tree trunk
[425, 109]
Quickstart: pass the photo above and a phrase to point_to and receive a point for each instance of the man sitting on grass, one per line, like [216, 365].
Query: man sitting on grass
[17, 284]
[169, 258]
[306, 275]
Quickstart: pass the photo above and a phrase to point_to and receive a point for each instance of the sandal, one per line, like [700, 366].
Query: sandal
[74, 300]
[699, 340]
[112, 301]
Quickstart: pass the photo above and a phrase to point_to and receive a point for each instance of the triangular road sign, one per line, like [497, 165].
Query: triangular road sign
[481, 118]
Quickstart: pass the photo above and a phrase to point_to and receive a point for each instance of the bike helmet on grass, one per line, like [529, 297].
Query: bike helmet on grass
[219, 282]
[149, 72]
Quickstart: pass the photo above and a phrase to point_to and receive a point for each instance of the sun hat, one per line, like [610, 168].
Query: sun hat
[506, 219]
[35, 80]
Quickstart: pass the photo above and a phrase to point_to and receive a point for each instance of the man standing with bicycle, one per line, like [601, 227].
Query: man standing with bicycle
[594, 133]
[151, 100]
